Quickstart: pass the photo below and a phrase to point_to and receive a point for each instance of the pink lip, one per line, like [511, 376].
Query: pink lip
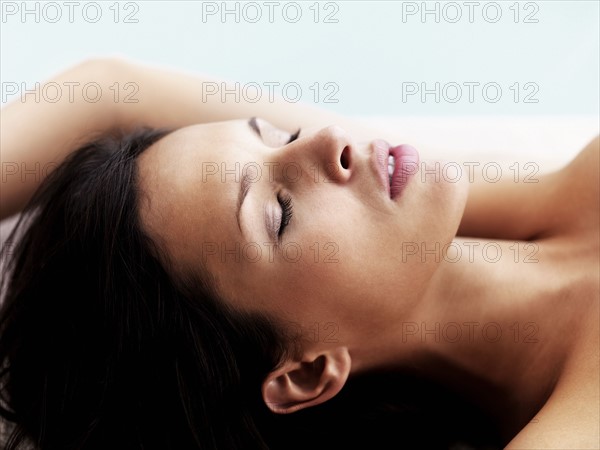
[406, 164]
[406, 160]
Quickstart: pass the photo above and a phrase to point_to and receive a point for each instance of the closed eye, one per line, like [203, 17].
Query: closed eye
[294, 136]
[285, 201]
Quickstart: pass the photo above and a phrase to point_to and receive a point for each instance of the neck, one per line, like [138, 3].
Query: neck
[486, 327]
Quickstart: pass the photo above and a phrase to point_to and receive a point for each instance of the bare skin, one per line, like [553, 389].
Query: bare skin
[519, 316]
[570, 417]
[540, 375]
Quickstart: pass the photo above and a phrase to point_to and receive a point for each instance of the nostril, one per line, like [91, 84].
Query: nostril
[345, 157]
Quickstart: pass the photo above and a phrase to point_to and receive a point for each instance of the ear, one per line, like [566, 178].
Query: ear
[300, 384]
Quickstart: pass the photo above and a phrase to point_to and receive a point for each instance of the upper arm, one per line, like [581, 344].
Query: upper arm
[37, 133]
[36, 136]
[530, 207]
[168, 98]
[582, 178]
[508, 208]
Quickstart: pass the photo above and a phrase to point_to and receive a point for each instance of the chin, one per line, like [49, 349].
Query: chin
[452, 201]
[434, 207]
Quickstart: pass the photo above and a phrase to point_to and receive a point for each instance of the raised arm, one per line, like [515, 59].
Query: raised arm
[37, 134]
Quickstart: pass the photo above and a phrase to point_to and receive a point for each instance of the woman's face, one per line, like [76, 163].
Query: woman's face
[218, 196]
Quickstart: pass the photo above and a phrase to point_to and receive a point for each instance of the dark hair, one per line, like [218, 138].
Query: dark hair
[102, 347]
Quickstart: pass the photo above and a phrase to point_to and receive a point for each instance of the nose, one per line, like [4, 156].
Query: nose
[327, 154]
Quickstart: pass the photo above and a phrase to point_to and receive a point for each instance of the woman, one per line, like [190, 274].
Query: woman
[202, 283]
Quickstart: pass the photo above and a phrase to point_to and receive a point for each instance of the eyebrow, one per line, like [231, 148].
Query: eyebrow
[245, 183]
[244, 188]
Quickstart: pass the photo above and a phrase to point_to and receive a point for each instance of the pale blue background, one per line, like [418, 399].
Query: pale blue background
[368, 53]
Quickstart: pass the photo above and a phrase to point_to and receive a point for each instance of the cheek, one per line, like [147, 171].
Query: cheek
[317, 292]
[350, 260]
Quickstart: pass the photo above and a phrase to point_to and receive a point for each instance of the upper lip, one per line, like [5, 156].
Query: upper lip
[381, 152]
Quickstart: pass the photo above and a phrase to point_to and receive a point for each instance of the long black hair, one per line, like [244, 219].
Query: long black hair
[102, 346]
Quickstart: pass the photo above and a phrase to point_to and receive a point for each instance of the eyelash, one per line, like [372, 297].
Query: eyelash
[294, 136]
[285, 201]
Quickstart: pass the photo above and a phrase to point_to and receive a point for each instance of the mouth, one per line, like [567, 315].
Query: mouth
[402, 163]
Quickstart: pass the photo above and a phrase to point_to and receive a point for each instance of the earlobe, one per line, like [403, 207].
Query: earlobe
[300, 384]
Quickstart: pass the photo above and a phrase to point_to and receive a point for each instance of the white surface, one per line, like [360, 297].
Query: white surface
[550, 141]
[368, 52]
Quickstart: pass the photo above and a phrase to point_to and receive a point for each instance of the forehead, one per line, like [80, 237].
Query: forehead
[180, 206]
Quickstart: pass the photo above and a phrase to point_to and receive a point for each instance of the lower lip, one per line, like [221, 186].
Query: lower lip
[406, 160]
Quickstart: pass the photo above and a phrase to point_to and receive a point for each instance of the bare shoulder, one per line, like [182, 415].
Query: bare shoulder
[570, 419]
[571, 424]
